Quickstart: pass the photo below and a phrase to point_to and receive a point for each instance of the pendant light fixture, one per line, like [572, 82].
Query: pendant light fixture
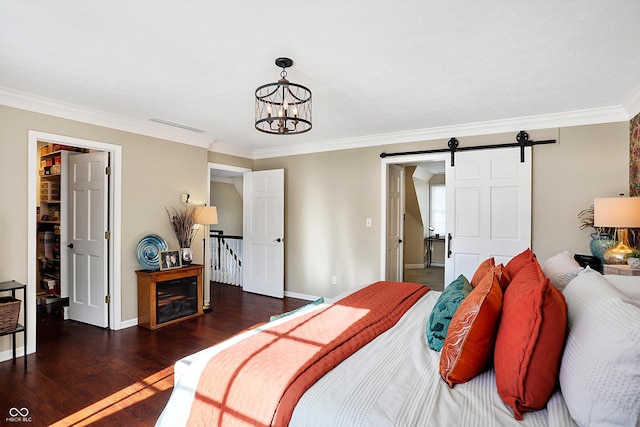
[283, 108]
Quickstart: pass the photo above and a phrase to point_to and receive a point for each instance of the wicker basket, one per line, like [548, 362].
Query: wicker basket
[9, 312]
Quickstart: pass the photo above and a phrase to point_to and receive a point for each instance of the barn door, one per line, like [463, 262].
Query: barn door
[488, 209]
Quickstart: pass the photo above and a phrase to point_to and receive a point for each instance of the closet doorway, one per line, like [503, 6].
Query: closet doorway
[111, 276]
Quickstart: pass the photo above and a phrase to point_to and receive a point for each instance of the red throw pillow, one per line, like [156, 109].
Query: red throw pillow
[471, 336]
[530, 341]
[482, 269]
[519, 261]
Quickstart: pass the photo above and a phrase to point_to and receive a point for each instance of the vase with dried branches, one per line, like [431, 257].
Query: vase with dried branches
[182, 223]
[602, 237]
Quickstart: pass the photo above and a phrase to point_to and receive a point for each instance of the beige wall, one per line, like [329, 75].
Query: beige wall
[154, 173]
[413, 242]
[226, 159]
[326, 206]
[587, 162]
[226, 197]
[328, 196]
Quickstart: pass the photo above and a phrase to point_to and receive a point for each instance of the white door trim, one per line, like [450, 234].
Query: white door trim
[115, 243]
[384, 166]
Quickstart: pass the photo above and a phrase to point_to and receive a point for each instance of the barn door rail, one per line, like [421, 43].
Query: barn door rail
[522, 141]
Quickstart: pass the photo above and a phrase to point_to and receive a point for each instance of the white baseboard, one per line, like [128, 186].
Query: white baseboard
[421, 266]
[8, 355]
[128, 323]
[414, 266]
[300, 296]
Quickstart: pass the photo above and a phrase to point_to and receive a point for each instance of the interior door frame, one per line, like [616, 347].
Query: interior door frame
[384, 167]
[114, 221]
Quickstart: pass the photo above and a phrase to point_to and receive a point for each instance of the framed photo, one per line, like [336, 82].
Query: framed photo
[169, 260]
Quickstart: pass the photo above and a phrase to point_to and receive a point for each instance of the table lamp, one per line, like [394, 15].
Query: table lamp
[622, 213]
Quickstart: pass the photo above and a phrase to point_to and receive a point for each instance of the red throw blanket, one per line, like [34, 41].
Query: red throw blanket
[259, 380]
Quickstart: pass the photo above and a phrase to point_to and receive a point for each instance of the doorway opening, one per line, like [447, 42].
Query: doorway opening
[224, 242]
[423, 217]
[112, 221]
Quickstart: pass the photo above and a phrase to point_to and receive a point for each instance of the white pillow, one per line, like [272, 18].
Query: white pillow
[561, 269]
[600, 369]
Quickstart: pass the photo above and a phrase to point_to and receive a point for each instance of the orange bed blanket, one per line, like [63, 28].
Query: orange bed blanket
[259, 380]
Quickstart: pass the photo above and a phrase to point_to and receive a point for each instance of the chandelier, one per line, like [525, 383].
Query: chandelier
[283, 108]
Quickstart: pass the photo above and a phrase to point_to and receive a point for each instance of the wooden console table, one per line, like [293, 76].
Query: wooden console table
[155, 295]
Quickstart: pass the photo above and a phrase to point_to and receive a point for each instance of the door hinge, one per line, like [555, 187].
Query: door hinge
[107, 170]
[107, 234]
[107, 299]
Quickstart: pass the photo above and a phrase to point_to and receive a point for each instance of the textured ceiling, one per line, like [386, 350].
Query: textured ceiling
[376, 67]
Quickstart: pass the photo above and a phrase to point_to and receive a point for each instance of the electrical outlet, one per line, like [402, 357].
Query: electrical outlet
[368, 222]
[334, 280]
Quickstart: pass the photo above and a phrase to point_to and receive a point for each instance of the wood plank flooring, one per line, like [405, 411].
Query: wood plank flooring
[83, 375]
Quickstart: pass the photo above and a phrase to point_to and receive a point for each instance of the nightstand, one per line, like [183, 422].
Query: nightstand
[621, 270]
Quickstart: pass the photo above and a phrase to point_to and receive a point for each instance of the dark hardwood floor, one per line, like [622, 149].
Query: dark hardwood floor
[83, 375]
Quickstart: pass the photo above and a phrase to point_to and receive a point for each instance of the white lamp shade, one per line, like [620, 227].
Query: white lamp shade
[206, 215]
[622, 212]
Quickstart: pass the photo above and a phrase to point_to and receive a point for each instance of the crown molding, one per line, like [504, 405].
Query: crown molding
[52, 107]
[545, 121]
[632, 105]
[25, 101]
[231, 150]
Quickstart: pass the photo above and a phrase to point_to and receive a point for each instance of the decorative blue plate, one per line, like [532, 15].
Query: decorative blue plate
[148, 251]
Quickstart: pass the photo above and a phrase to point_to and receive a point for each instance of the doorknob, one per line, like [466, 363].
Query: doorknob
[399, 240]
[448, 245]
[278, 240]
[70, 245]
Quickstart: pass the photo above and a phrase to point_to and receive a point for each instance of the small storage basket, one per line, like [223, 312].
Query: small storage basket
[9, 312]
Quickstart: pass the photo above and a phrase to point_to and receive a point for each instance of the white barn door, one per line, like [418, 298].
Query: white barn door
[263, 232]
[488, 209]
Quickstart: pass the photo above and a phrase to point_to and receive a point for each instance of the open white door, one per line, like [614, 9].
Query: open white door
[488, 209]
[263, 232]
[395, 223]
[87, 248]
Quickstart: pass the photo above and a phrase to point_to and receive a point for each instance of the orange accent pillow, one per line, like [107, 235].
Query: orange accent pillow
[503, 277]
[519, 261]
[530, 341]
[482, 269]
[471, 336]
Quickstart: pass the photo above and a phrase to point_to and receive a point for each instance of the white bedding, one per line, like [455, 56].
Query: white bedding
[393, 380]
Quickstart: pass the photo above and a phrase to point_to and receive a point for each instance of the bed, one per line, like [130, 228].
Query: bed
[394, 377]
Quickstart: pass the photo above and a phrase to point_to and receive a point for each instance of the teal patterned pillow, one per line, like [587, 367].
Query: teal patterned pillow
[444, 309]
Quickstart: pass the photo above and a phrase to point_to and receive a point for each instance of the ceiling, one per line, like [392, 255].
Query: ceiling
[381, 71]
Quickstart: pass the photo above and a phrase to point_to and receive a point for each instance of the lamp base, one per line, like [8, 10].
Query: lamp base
[620, 252]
